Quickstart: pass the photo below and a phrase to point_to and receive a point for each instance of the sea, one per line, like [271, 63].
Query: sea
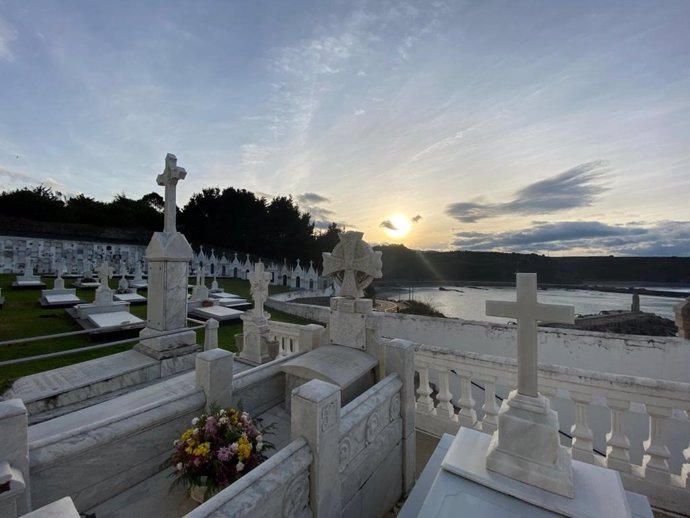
[468, 303]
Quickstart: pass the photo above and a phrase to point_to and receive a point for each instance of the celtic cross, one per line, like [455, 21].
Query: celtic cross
[353, 264]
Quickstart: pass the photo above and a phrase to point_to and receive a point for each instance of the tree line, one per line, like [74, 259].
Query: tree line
[233, 219]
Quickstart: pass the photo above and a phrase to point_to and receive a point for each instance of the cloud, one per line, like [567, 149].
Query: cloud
[312, 197]
[658, 239]
[7, 35]
[386, 223]
[576, 187]
[417, 218]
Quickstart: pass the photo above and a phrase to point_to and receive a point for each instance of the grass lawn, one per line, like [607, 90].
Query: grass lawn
[22, 317]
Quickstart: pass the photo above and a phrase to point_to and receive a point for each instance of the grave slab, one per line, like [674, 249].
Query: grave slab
[132, 298]
[220, 313]
[59, 298]
[115, 318]
[28, 284]
[223, 295]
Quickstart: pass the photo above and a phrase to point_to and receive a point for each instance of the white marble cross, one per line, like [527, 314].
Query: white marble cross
[259, 280]
[353, 263]
[105, 272]
[528, 311]
[169, 178]
[28, 267]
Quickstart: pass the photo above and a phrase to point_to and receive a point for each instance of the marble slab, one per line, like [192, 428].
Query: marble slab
[60, 299]
[220, 313]
[87, 285]
[115, 318]
[28, 284]
[335, 364]
[223, 295]
[598, 491]
[132, 298]
[63, 508]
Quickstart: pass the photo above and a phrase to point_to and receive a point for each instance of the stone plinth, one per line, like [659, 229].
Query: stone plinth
[682, 312]
[348, 321]
[527, 447]
[255, 332]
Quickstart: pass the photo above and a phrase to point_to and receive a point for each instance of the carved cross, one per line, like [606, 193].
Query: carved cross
[528, 312]
[105, 272]
[259, 280]
[169, 178]
[353, 264]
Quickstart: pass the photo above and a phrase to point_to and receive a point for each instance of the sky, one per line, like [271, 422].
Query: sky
[549, 127]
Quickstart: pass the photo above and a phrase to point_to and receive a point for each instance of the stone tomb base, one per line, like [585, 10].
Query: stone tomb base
[59, 298]
[220, 313]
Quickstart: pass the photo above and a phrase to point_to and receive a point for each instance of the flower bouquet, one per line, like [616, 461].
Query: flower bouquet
[220, 447]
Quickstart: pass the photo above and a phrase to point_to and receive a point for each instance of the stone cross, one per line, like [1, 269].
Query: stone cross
[105, 272]
[28, 267]
[528, 311]
[169, 178]
[259, 280]
[353, 263]
[60, 268]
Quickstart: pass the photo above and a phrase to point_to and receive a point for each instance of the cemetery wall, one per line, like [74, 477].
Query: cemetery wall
[278, 487]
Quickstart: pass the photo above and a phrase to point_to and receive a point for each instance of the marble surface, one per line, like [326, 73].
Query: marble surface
[341, 366]
[598, 491]
[49, 299]
[63, 508]
[116, 318]
[132, 298]
[220, 313]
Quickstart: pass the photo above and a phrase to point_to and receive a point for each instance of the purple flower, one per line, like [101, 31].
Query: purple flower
[225, 453]
[211, 426]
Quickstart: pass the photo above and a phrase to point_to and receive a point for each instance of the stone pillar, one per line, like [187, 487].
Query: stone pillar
[316, 417]
[168, 256]
[255, 331]
[211, 334]
[214, 373]
[14, 459]
[310, 336]
[682, 312]
[398, 357]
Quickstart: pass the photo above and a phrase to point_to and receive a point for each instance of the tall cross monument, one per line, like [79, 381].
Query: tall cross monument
[526, 446]
[259, 280]
[168, 256]
[255, 328]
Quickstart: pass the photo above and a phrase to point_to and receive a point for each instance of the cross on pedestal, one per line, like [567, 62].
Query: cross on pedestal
[259, 280]
[105, 272]
[169, 178]
[353, 263]
[528, 312]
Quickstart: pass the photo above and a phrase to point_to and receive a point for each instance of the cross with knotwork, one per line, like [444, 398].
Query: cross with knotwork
[353, 264]
[105, 272]
[169, 178]
[528, 312]
[259, 280]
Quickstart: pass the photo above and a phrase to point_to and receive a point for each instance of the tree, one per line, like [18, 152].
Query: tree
[38, 203]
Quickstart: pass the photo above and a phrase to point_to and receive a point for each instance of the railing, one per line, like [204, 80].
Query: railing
[294, 338]
[458, 377]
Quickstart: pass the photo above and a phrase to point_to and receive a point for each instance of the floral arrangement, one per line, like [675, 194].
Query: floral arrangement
[220, 447]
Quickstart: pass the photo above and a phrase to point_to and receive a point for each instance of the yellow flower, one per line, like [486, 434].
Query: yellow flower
[202, 450]
[186, 435]
[244, 448]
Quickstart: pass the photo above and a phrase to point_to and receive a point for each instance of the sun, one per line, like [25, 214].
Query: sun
[399, 226]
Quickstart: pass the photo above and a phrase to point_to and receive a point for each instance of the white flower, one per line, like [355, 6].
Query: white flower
[222, 411]
[259, 438]
[195, 421]
[240, 466]
[196, 431]
[176, 442]
[259, 446]
[223, 420]
[179, 466]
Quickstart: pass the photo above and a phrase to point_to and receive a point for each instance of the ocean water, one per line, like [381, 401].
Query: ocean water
[469, 303]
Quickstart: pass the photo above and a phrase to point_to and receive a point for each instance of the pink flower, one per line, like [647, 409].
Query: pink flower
[211, 426]
[225, 453]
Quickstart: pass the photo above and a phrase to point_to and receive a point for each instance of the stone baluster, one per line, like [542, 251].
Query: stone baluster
[425, 404]
[444, 408]
[685, 470]
[655, 460]
[211, 334]
[548, 392]
[490, 407]
[281, 344]
[617, 443]
[214, 373]
[466, 416]
[582, 434]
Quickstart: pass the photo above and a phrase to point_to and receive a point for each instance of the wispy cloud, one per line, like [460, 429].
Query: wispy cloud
[661, 238]
[7, 35]
[576, 187]
[417, 218]
[311, 198]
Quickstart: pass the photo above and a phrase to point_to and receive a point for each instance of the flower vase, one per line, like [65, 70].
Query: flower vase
[198, 493]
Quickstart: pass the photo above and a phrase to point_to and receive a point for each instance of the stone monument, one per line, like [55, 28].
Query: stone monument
[255, 328]
[526, 445]
[104, 295]
[168, 255]
[353, 265]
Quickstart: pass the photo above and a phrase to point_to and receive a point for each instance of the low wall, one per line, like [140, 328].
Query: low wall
[98, 452]
[281, 302]
[371, 451]
[278, 487]
[258, 389]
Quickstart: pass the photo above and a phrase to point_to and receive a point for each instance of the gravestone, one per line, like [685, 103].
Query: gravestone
[347, 362]
[28, 279]
[521, 470]
[255, 328]
[168, 256]
[59, 296]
